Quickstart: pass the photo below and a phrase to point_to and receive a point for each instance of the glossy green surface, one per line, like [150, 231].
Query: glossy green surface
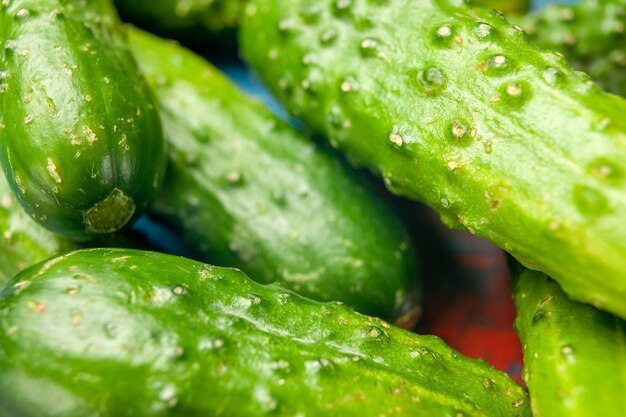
[80, 137]
[127, 333]
[456, 108]
[175, 15]
[574, 354]
[23, 242]
[246, 190]
[590, 34]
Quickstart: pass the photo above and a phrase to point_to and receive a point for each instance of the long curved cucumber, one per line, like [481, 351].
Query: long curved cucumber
[591, 34]
[128, 333]
[81, 140]
[247, 190]
[456, 108]
[210, 16]
[574, 354]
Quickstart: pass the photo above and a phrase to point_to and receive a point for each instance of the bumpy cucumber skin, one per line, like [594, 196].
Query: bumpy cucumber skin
[249, 191]
[455, 108]
[574, 354]
[211, 16]
[505, 6]
[23, 242]
[81, 138]
[590, 34]
[129, 333]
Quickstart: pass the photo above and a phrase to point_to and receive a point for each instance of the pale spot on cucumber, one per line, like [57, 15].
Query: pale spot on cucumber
[110, 214]
[53, 171]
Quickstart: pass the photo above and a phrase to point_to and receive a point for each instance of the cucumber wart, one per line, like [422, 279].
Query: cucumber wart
[81, 139]
[246, 190]
[127, 333]
[456, 108]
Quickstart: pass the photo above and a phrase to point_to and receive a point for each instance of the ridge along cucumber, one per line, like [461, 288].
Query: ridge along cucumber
[258, 196]
[456, 108]
[23, 242]
[590, 34]
[574, 354]
[183, 15]
[81, 138]
[129, 333]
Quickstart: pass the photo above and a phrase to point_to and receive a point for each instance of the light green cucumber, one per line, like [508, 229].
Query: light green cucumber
[590, 34]
[116, 333]
[574, 354]
[249, 191]
[456, 108]
[80, 137]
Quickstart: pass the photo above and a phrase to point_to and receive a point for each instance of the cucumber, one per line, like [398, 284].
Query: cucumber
[590, 34]
[507, 7]
[23, 242]
[574, 354]
[80, 136]
[457, 109]
[249, 191]
[129, 333]
[197, 16]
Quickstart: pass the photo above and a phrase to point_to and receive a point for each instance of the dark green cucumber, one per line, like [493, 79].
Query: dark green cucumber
[505, 6]
[23, 242]
[456, 108]
[574, 354]
[590, 34]
[81, 141]
[128, 333]
[247, 190]
[210, 16]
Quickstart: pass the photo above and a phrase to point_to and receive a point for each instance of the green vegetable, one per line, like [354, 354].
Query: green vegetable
[128, 333]
[455, 108]
[23, 242]
[505, 6]
[590, 34]
[574, 354]
[80, 136]
[210, 16]
[247, 190]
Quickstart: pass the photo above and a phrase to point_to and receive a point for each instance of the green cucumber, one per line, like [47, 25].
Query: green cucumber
[205, 16]
[247, 190]
[574, 354]
[456, 108]
[129, 333]
[22, 241]
[590, 34]
[507, 7]
[80, 136]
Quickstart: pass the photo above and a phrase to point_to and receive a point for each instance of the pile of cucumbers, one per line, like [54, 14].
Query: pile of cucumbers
[447, 102]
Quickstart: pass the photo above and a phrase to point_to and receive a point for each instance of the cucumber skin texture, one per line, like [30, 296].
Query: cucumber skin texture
[128, 333]
[23, 242]
[78, 120]
[208, 16]
[258, 196]
[574, 354]
[590, 34]
[455, 116]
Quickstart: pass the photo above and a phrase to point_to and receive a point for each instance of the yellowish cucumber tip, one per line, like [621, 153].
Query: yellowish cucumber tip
[110, 214]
